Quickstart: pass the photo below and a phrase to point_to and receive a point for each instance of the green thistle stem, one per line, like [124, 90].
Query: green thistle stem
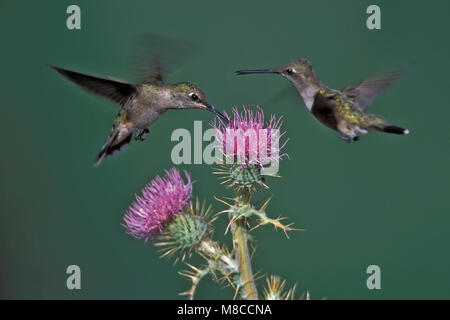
[240, 243]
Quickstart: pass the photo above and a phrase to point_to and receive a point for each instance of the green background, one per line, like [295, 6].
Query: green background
[383, 200]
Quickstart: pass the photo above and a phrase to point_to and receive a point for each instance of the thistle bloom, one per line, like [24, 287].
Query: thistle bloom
[162, 199]
[248, 139]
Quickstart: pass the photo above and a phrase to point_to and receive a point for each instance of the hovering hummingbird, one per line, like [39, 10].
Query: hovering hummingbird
[141, 104]
[341, 110]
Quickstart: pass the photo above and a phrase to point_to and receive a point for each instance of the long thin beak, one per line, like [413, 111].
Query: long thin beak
[218, 113]
[239, 72]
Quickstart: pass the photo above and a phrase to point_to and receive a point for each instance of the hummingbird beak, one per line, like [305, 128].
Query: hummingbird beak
[239, 72]
[217, 113]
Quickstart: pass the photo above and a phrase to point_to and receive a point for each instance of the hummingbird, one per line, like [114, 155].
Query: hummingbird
[140, 104]
[341, 110]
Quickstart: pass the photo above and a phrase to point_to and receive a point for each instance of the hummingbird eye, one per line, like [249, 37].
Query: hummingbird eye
[193, 96]
[290, 71]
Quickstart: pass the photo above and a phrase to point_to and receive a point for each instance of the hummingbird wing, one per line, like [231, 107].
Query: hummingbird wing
[364, 92]
[117, 91]
[156, 56]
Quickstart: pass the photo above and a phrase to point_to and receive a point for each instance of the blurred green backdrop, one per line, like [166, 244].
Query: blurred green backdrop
[383, 201]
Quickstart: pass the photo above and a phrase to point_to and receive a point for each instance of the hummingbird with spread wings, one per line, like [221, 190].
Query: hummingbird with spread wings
[341, 110]
[140, 103]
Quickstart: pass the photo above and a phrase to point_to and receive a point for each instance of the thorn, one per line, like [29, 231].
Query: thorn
[220, 212]
[263, 207]
[236, 292]
[257, 226]
[223, 201]
[232, 220]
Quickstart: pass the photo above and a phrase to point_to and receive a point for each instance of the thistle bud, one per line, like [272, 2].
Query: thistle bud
[186, 231]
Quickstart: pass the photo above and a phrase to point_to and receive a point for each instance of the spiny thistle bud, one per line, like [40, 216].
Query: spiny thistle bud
[245, 175]
[186, 231]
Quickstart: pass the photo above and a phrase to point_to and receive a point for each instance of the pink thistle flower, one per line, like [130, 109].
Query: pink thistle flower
[161, 200]
[248, 139]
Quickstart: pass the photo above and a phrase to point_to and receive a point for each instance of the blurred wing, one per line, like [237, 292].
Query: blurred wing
[114, 90]
[364, 92]
[156, 56]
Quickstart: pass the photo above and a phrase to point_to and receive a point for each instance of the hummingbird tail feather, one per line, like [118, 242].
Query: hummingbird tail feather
[112, 147]
[391, 129]
[378, 123]
[395, 130]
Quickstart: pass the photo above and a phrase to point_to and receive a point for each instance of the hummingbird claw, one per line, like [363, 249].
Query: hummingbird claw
[141, 135]
[346, 139]
[350, 138]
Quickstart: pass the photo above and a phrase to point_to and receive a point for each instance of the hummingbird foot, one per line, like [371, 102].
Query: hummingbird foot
[350, 138]
[141, 135]
[347, 139]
